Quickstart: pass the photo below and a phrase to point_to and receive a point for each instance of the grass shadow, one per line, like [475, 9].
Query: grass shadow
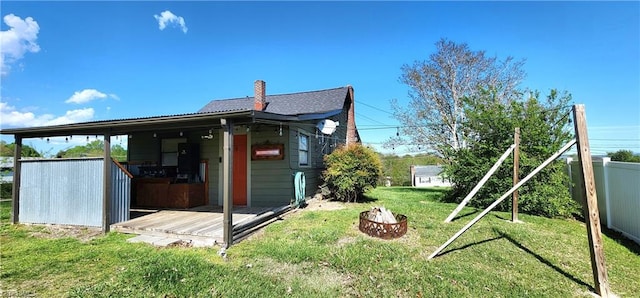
[366, 199]
[460, 216]
[618, 237]
[469, 245]
[544, 261]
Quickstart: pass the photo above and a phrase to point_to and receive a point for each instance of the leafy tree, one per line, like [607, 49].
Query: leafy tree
[8, 150]
[93, 149]
[437, 87]
[351, 170]
[624, 155]
[489, 132]
[397, 167]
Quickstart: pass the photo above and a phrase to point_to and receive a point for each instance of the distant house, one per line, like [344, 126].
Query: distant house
[428, 176]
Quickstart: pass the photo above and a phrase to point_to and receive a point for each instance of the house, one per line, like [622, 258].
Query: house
[428, 176]
[232, 152]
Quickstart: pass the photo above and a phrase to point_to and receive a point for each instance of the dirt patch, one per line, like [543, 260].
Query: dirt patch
[83, 234]
[320, 276]
[323, 205]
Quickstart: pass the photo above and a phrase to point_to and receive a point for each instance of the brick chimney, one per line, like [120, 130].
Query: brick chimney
[352, 131]
[260, 98]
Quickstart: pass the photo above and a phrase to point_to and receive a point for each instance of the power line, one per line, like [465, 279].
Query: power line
[373, 107]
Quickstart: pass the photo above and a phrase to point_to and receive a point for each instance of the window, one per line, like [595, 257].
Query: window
[303, 149]
[170, 151]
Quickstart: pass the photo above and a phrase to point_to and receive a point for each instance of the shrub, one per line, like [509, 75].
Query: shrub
[351, 170]
[5, 190]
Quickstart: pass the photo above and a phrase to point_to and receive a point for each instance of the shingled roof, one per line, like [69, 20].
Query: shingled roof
[311, 102]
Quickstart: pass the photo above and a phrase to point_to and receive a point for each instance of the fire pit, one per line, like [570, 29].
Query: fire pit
[381, 229]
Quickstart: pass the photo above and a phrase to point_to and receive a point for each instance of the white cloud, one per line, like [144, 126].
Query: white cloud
[19, 39]
[11, 117]
[88, 95]
[168, 18]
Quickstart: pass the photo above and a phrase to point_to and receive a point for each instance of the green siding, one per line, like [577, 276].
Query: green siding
[271, 180]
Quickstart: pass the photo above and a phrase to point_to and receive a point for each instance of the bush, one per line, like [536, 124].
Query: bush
[490, 125]
[5, 190]
[351, 170]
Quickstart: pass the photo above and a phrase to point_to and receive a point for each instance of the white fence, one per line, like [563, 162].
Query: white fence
[618, 191]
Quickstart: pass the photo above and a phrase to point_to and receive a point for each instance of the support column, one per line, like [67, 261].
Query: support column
[516, 174]
[227, 181]
[15, 192]
[590, 205]
[106, 196]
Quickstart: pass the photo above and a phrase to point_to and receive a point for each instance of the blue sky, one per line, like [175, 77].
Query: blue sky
[66, 62]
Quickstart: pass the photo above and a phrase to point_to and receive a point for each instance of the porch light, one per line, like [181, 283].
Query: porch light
[154, 135]
[180, 133]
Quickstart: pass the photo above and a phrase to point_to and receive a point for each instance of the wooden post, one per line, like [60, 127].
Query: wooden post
[590, 207]
[106, 196]
[516, 173]
[480, 184]
[15, 193]
[227, 181]
[498, 201]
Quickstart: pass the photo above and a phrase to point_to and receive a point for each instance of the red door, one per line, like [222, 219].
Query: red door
[240, 170]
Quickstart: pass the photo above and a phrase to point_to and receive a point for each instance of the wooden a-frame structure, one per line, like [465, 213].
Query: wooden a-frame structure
[587, 187]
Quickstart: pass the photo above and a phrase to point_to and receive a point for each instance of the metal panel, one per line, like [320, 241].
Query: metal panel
[62, 191]
[120, 194]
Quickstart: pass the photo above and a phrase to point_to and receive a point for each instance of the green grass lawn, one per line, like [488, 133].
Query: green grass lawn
[323, 254]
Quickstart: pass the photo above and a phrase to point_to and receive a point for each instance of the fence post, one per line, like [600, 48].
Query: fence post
[607, 192]
[516, 172]
[590, 207]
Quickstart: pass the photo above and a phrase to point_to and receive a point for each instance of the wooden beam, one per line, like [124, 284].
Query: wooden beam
[590, 204]
[516, 173]
[227, 181]
[498, 201]
[480, 184]
[15, 192]
[106, 196]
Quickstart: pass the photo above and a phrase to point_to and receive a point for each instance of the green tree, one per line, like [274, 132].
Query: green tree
[397, 167]
[93, 149]
[437, 86]
[351, 170]
[8, 150]
[624, 155]
[489, 132]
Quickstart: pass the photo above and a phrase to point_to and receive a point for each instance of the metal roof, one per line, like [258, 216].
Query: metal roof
[427, 171]
[129, 125]
[310, 102]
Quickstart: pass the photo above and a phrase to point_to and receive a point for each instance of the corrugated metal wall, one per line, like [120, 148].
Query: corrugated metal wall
[62, 191]
[120, 194]
[69, 192]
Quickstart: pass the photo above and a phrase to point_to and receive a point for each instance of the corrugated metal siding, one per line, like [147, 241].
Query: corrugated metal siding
[62, 191]
[120, 194]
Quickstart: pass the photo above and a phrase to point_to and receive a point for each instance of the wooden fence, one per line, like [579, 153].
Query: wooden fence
[618, 190]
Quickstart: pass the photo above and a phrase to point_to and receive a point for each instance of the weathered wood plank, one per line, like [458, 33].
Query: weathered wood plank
[590, 206]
